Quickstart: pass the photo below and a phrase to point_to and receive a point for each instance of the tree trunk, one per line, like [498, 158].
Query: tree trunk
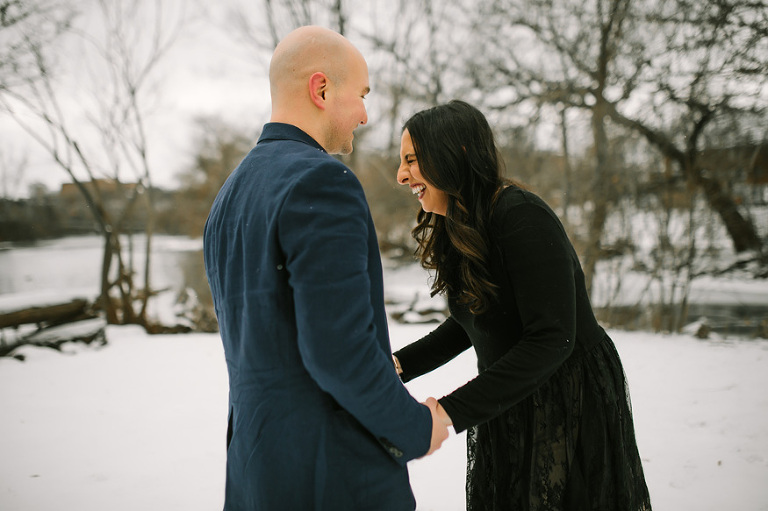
[600, 196]
[566, 164]
[740, 229]
[106, 264]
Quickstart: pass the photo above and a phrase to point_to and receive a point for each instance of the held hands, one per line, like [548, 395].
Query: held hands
[440, 423]
[440, 418]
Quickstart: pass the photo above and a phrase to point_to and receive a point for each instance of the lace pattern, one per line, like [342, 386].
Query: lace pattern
[569, 446]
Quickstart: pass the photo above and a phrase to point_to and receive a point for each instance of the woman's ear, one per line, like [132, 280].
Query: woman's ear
[318, 85]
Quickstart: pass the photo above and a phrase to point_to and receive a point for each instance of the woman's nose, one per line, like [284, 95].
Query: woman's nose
[402, 175]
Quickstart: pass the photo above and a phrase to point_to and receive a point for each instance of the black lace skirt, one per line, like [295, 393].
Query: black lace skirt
[570, 446]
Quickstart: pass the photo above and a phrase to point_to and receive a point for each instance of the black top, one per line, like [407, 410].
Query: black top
[542, 315]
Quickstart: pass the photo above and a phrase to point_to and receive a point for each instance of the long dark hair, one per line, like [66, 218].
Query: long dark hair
[457, 154]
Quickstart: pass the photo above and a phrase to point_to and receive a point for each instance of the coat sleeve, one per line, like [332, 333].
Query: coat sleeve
[540, 272]
[435, 349]
[324, 232]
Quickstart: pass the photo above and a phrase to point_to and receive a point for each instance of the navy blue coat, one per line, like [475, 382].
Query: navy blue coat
[318, 417]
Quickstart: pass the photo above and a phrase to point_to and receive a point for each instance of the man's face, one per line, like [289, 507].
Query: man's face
[347, 106]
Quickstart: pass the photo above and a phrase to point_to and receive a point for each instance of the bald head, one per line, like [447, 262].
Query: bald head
[303, 52]
[318, 81]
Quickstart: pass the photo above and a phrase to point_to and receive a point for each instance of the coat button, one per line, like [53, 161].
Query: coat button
[392, 449]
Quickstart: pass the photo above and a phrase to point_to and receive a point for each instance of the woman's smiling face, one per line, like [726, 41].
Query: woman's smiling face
[432, 200]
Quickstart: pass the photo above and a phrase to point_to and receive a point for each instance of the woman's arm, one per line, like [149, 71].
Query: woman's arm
[441, 345]
[539, 270]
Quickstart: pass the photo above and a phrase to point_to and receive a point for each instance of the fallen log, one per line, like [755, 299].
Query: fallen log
[86, 331]
[50, 314]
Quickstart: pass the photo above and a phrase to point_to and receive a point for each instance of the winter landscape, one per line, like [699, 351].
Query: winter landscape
[140, 423]
[643, 123]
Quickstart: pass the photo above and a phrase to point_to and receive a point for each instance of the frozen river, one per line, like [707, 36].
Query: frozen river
[72, 265]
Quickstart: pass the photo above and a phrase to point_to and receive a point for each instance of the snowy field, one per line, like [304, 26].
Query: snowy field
[140, 424]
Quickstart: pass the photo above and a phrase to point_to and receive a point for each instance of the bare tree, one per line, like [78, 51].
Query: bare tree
[417, 57]
[662, 69]
[125, 55]
[264, 25]
[24, 26]
[121, 120]
[715, 67]
[561, 54]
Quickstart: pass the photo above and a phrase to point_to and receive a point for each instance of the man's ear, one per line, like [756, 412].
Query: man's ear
[318, 86]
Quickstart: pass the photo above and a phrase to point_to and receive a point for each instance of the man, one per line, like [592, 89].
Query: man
[318, 418]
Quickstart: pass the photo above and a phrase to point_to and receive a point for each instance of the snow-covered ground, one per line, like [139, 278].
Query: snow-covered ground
[140, 424]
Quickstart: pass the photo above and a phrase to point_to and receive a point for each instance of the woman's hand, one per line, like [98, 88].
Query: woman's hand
[397, 365]
[443, 415]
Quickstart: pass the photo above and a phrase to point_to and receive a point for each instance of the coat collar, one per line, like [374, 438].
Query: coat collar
[281, 131]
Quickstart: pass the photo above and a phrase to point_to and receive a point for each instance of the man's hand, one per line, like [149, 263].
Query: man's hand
[439, 425]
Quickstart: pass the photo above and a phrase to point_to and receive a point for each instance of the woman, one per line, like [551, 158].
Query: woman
[548, 416]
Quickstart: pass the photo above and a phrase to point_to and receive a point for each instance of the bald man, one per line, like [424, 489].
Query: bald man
[318, 418]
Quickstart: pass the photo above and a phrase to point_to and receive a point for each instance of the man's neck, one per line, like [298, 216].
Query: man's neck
[304, 123]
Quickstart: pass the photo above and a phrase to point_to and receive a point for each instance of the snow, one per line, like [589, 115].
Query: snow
[30, 299]
[87, 328]
[140, 423]
[731, 291]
